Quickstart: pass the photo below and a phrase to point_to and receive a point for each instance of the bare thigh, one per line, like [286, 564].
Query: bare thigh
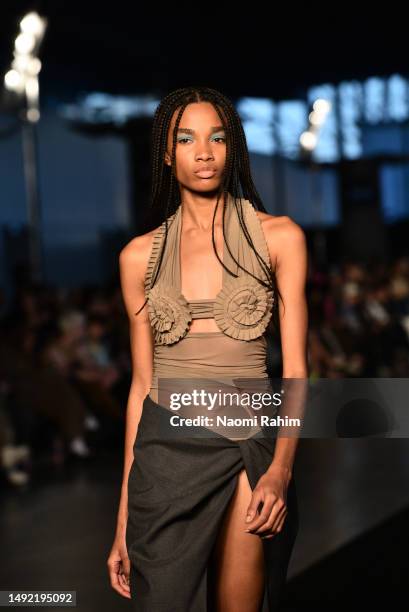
[237, 560]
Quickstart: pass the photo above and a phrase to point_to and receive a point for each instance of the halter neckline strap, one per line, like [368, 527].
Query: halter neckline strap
[243, 306]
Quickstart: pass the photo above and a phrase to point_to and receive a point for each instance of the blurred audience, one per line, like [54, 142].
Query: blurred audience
[64, 377]
[359, 320]
[65, 367]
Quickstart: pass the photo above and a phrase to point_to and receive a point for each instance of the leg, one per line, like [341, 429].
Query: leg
[237, 559]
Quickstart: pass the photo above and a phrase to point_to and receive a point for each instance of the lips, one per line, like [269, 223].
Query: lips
[205, 172]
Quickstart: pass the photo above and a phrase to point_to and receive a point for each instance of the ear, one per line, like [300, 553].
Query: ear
[167, 159]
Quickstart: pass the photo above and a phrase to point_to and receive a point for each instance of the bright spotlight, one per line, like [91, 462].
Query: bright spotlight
[22, 78]
[322, 106]
[25, 43]
[316, 118]
[13, 80]
[308, 140]
[32, 24]
[34, 66]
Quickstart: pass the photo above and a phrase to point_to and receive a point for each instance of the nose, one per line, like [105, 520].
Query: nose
[205, 155]
[204, 151]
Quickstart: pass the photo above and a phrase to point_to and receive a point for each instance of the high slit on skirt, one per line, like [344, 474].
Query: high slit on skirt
[178, 492]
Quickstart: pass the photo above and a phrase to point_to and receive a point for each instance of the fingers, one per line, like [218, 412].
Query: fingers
[256, 498]
[259, 520]
[126, 573]
[271, 518]
[265, 535]
[124, 581]
[119, 575]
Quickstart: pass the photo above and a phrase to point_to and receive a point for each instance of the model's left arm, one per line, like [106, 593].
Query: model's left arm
[287, 246]
[288, 253]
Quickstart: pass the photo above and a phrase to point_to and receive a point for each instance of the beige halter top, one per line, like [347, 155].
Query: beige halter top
[242, 309]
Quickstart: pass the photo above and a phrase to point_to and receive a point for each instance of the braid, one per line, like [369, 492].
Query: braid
[237, 178]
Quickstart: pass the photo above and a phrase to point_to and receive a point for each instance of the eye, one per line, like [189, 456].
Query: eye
[220, 138]
[182, 139]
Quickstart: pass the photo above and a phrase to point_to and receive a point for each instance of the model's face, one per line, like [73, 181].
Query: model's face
[200, 147]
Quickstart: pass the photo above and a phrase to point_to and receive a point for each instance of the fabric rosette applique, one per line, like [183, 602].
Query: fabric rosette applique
[243, 308]
[169, 314]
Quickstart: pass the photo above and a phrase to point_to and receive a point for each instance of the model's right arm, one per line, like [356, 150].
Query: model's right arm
[133, 261]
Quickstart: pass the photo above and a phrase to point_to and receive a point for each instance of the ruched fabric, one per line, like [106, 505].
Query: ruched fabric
[242, 309]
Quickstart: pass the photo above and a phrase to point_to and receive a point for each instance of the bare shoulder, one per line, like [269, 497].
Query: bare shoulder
[282, 234]
[133, 262]
[136, 252]
[285, 239]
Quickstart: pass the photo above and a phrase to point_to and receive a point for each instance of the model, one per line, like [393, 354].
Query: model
[206, 523]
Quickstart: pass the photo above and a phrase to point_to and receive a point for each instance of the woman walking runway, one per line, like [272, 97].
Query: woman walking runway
[201, 291]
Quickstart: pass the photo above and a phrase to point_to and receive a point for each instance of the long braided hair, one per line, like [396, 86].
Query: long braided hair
[237, 179]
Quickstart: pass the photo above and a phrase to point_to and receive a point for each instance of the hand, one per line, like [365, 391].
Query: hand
[271, 491]
[119, 567]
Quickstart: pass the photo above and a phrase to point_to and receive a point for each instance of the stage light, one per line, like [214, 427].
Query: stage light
[316, 119]
[33, 24]
[13, 80]
[308, 140]
[32, 87]
[26, 66]
[22, 80]
[34, 65]
[322, 106]
[20, 62]
[25, 43]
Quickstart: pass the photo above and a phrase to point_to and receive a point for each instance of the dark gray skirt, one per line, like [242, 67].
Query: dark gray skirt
[178, 491]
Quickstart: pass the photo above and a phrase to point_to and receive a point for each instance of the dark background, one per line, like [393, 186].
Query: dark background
[60, 476]
[127, 47]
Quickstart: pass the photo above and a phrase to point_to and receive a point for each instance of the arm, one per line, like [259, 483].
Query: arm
[133, 261]
[287, 247]
[132, 264]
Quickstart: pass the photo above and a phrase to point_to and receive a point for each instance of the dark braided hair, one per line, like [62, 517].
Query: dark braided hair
[237, 179]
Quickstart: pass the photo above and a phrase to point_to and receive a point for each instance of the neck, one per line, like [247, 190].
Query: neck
[197, 210]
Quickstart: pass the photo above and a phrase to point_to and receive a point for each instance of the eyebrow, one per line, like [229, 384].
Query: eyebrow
[217, 128]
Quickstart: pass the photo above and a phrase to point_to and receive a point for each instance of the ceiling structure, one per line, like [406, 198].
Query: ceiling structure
[242, 50]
